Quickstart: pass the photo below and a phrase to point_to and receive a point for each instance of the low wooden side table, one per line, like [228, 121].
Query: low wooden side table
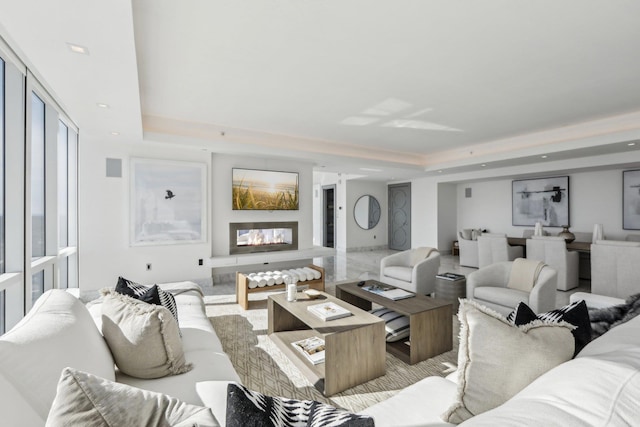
[451, 290]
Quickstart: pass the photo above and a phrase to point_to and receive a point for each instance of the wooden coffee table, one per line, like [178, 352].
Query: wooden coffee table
[430, 321]
[354, 345]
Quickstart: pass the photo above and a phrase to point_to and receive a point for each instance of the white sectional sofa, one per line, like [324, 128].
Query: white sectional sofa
[599, 387]
[60, 331]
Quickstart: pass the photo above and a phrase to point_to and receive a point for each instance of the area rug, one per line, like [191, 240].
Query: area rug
[264, 368]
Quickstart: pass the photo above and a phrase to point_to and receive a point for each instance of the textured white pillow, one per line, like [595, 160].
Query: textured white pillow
[83, 399]
[496, 359]
[143, 338]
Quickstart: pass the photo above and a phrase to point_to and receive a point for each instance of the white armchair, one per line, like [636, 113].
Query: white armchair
[614, 268]
[553, 252]
[488, 286]
[468, 251]
[494, 248]
[413, 270]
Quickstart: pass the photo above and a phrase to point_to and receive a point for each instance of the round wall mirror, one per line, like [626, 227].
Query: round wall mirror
[367, 212]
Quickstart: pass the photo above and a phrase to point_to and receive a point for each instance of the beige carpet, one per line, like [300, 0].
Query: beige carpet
[264, 368]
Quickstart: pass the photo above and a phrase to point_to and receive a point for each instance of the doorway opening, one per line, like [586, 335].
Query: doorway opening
[329, 216]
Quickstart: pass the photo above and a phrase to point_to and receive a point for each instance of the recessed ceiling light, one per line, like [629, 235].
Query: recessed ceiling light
[76, 48]
[115, 133]
[483, 165]
[101, 105]
[440, 171]
[371, 170]
[631, 144]
[544, 156]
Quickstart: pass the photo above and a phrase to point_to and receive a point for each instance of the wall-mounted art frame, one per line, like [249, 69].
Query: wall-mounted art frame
[631, 200]
[168, 202]
[254, 189]
[544, 200]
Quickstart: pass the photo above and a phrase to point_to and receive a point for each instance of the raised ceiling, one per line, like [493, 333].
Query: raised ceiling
[394, 86]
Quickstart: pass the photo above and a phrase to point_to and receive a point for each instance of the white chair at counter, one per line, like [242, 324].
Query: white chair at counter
[615, 268]
[493, 247]
[552, 250]
[468, 248]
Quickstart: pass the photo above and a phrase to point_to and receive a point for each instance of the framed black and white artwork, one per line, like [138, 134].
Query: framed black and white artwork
[631, 200]
[544, 200]
[168, 202]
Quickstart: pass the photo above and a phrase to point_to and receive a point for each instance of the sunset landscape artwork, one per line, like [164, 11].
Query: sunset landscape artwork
[264, 190]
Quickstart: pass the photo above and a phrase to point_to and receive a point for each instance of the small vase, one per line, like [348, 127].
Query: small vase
[567, 235]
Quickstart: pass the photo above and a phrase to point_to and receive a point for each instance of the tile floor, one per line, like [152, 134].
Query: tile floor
[366, 265]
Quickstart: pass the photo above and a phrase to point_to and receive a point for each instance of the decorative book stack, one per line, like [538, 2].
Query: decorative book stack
[450, 276]
[312, 348]
[388, 291]
[328, 311]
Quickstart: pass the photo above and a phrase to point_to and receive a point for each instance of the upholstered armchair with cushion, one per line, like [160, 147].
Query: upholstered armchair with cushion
[468, 248]
[488, 286]
[552, 250]
[494, 248]
[614, 268]
[413, 270]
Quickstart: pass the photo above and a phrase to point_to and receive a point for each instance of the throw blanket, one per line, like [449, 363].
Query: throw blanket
[524, 274]
[604, 319]
[419, 254]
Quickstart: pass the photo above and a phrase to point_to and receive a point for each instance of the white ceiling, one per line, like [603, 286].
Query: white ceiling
[393, 86]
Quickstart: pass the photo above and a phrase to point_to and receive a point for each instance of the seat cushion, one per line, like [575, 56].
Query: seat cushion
[207, 365]
[420, 404]
[399, 273]
[501, 296]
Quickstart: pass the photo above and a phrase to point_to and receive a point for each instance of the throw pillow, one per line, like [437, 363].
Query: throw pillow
[496, 359]
[150, 294]
[395, 324]
[466, 233]
[83, 399]
[143, 338]
[606, 318]
[247, 408]
[575, 313]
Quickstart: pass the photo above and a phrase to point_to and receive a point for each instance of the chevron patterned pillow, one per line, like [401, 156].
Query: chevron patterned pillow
[149, 294]
[575, 313]
[247, 408]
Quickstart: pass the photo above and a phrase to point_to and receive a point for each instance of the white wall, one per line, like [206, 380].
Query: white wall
[223, 214]
[424, 213]
[358, 238]
[595, 197]
[447, 219]
[105, 252]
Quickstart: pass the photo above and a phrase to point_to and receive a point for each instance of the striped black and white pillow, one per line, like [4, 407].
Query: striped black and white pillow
[149, 294]
[249, 408]
[576, 314]
[395, 324]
